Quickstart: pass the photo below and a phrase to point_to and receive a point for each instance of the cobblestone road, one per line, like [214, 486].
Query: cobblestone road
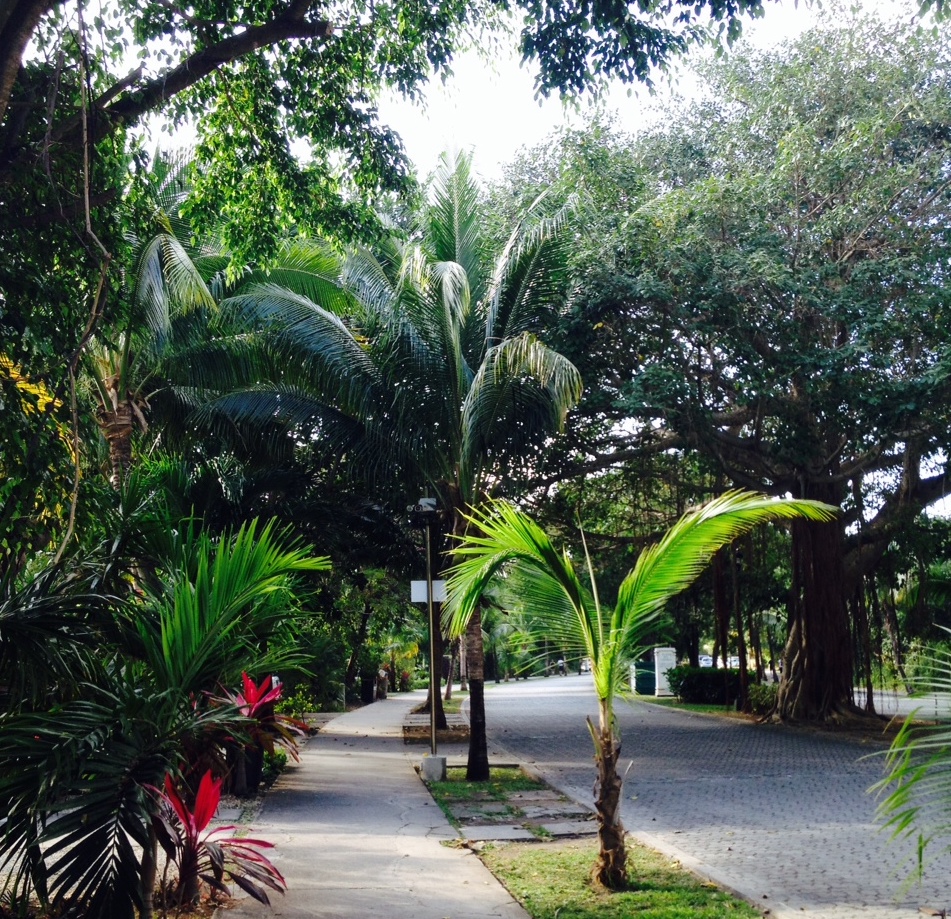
[781, 815]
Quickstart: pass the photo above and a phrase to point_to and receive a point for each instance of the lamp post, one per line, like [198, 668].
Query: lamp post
[422, 514]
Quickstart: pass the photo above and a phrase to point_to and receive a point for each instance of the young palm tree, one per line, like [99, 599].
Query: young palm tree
[418, 365]
[915, 793]
[505, 541]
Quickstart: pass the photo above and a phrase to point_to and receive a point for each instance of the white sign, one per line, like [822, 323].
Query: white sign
[664, 659]
[417, 591]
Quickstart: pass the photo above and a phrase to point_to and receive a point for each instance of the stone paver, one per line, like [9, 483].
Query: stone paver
[571, 828]
[497, 832]
[781, 815]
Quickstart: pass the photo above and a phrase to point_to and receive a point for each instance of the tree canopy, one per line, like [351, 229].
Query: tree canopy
[772, 296]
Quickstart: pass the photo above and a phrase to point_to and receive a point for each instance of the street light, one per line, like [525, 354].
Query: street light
[422, 515]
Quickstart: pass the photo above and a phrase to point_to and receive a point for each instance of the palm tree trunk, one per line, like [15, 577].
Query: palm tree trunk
[610, 869]
[477, 767]
[117, 426]
[149, 874]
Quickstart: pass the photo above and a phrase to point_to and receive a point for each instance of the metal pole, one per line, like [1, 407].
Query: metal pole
[433, 678]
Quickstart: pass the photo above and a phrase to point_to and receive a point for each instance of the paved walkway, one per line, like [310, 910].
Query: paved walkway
[358, 835]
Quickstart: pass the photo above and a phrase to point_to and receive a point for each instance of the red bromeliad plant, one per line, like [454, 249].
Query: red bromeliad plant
[206, 856]
[265, 731]
[270, 729]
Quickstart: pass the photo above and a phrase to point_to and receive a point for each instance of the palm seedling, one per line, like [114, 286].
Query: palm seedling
[916, 789]
[504, 541]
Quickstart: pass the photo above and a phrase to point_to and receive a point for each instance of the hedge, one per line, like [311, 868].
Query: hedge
[705, 685]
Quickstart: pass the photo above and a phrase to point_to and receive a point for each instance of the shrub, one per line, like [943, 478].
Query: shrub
[297, 704]
[763, 697]
[274, 764]
[704, 685]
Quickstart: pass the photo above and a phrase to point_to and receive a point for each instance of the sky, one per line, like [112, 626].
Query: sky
[490, 107]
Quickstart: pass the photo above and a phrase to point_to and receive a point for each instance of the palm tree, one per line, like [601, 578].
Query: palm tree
[417, 365]
[916, 790]
[124, 370]
[168, 303]
[505, 541]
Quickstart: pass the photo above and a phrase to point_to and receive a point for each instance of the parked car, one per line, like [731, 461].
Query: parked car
[706, 660]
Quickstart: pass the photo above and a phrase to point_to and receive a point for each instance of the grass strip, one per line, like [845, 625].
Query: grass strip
[552, 881]
[456, 791]
[503, 782]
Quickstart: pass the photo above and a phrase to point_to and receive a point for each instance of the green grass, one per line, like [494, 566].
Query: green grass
[502, 782]
[551, 880]
[454, 705]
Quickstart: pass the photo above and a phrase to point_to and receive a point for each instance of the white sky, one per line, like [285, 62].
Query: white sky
[492, 110]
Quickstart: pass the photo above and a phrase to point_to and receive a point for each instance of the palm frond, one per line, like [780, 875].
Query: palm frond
[915, 791]
[373, 282]
[305, 338]
[530, 273]
[453, 230]
[48, 635]
[671, 565]
[311, 268]
[221, 607]
[501, 537]
[167, 283]
[520, 378]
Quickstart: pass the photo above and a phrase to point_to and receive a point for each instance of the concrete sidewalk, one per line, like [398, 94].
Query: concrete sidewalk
[357, 833]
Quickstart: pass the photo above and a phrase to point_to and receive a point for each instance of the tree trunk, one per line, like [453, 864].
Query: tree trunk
[817, 661]
[477, 767]
[353, 664]
[721, 609]
[464, 665]
[610, 869]
[117, 425]
[890, 620]
[756, 643]
[864, 643]
[453, 649]
[149, 874]
[743, 701]
[441, 723]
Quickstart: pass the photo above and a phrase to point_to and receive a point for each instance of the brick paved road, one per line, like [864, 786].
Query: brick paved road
[780, 815]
